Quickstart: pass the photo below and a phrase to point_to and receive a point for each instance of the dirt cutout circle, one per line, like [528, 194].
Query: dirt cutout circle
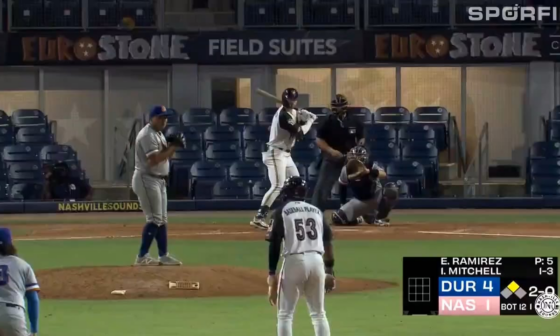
[97, 283]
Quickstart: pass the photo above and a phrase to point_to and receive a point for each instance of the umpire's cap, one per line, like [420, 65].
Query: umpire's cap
[5, 236]
[294, 188]
[159, 111]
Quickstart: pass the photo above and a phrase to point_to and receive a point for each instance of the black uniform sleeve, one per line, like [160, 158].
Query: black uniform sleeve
[274, 236]
[359, 130]
[288, 123]
[327, 231]
[323, 129]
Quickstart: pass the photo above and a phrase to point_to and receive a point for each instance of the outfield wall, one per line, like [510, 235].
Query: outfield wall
[229, 205]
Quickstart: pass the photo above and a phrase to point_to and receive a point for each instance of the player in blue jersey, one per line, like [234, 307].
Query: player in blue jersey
[17, 283]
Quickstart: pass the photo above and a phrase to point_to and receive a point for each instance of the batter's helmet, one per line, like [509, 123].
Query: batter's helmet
[289, 97]
[359, 153]
[339, 104]
[294, 188]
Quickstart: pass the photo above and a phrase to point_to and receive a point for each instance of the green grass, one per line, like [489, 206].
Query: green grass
[371, 313]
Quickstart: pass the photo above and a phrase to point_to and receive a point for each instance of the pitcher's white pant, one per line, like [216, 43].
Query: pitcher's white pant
[280, 166]
[152, 195]
[12, 321]
[302, 274]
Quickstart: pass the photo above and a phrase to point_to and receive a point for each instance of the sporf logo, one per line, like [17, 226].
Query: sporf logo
[547, 306]
[512, 13]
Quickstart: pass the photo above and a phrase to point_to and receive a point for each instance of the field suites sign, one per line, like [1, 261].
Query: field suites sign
[282, 47]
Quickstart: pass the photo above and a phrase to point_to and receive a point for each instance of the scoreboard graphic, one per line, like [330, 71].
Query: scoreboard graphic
[478, 285]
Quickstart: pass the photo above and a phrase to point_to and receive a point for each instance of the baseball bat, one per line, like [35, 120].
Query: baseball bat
[265, 94]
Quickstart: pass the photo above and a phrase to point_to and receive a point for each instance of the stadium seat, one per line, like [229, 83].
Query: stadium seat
[545, 168]
[4, 191]
[25, 172]
[408, 171]
[238, 117]
[3, 174]
[331, 13]
[5, 120]
[403, 187]
[221, 134]
[545, 187]
[6, 136]
[188, 155]
[27, 14]
[26, 191]
[181, 162]
[201, 118]
[63, 13]
[253, 151]
[19, 153]
[426, 154]
[57, 153]
[438, 118]
[361, 113]
[143, 12]
[392, 115]
[555, 131]
[231, 190]
[225, 153]
[381, 133]
[305, 152]
[260, 133]
[29, 117]
[260, 13]
[544, 150]
[321, 112]
[416, 132]
[265, 116]
[260, 188]
[383, 152]
[204, 175]
[104, 13]
[248, 172]
[191, 134]
[34, 136]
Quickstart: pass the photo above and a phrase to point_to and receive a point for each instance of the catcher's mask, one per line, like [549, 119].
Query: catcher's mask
[359, 153]
[295, 188]
[339, 104]
[289, 97]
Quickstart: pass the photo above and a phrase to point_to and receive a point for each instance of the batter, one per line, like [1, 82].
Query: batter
[17, 280]
[149, 182]
[307, 237]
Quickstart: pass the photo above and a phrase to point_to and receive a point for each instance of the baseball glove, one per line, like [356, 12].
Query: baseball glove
[177, 140]
[355, 169]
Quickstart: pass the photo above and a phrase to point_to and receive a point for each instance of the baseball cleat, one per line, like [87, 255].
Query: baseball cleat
[168, 260]
[259, 222]
[382, 222]
[361, 220]
[146, 260]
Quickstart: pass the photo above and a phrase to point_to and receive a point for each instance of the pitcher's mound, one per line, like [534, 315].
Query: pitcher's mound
[97, 283]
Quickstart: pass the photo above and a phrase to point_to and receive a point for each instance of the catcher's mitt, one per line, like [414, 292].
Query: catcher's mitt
[177, 140]
[355, 169]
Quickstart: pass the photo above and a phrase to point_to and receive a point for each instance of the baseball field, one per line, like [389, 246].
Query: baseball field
[80, 258]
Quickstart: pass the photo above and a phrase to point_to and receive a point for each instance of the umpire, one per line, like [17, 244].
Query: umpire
[335, 137]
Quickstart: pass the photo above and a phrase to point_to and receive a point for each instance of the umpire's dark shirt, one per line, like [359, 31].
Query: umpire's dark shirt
[341, 134]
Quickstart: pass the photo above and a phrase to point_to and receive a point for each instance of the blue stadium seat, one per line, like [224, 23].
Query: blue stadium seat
[6, 136]
[260, 188]
[179, 179]
[260, 133]
[361, 113]
[231, 190]
[545, 187]
[201, 118]
[34, 136]
[260, 13]
[381, 133]
[321, 112]
[235, 116]
[20, 153]
[383, 152]
[224, 153]
[416, 132]
[403, 187]
[439, 119]
[208, 171]
[173, 120]
[426, 154]
[25, 172]
[285, 13]
[104, 13]
[29, 117]
[544, 150]
[331, 13]
[143, 12]
[392, 115]
[57, 153]
[27, 14]
[188, 155]
[5, 120]
[248, 172]
[555, 131]
[545, 168]
[305, 152]
[409, 171]
[26, 191]
[4, 191]
[191, 134]
[219, 134]
[3, 174]
[253, 151]
[63, 13]
[265, 116]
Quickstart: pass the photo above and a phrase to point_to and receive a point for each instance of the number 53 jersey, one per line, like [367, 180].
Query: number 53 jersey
[302, 226]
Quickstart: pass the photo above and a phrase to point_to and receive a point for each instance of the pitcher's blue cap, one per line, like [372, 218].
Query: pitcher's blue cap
[5, 236]
[159, 111]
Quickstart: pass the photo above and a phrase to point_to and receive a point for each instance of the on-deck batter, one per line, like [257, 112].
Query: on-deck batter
[17, 280]
[149, 182]
[288, 125]
[306, 236]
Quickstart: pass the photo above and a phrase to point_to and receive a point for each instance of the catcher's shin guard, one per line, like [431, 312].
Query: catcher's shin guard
[339, 218]
[388, 201]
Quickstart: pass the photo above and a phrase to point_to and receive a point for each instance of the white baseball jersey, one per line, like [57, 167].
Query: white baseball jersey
[149, 141]
[283, 130]
[16, 278]
[302, 226]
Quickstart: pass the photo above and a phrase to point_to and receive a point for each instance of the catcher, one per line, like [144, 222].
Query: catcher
[371, 203]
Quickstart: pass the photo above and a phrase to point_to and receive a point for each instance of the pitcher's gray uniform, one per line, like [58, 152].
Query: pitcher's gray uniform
[16, 278]
[149, 183]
